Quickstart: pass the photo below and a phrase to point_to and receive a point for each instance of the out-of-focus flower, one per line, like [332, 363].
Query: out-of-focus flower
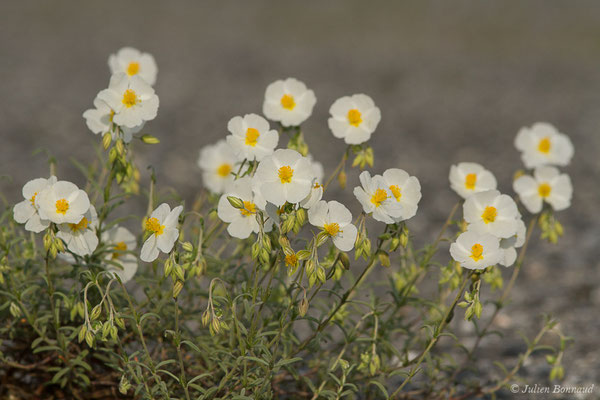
[62, 202]
[476, 250]
[285, 176]
[132, 99]
[251, 138]
[100, 120]
[468, 178]
[405, 189]
[289, 102]
[242, 221]
[375, 196]
[81, 238]
[336, 220]
[162, 226]
[542, 144]
[509, 245]
[133, 62]
[354, 118]
[121, 241]
[217, 162]
[546, 185]
[26, 212]
[492, 212]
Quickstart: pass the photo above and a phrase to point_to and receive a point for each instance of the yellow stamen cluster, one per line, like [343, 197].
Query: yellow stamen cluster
[288, 102]
[252, 135]
[249, 209]
[81, 225]
[119, 247]
[32, 199]
[133, 68]
[291, 260]
[153, 225]
[285, 174]
[224, 170]
[354, 117]
[396, 192]
[544, 189]
[489, 214]
[130, 98]
[62, 206]
[470, 181]
[332, 229]
[379, 197]
[544, 145]
[477, 252]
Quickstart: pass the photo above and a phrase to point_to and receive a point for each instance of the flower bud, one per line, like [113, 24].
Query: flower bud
[303, 307]
[187, 246]
[149, 139]
[106, 140]
[236, 202]
[342, 179]
[177, 289]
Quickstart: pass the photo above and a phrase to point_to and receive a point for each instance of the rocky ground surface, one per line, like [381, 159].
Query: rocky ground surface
[454, 81]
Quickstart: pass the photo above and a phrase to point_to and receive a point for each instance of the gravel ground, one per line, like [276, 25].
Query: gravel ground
[454, 81]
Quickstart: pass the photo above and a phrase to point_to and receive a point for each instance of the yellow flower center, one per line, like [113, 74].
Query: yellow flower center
[130, 98]
[32, 199]
[470, 181]
[544, 189]
[332, 229]
[379, 197]
[291, 260]
[154, 226]
[477, 252]
[81, 225]
[119, 247]
[249, 209]
[252, 136]
[224, 170]
[354, 117]
[62, 206]
[288, 102]
[489, 214]
[285, 174]
[396, 192]
[544, 145]
[133, 68]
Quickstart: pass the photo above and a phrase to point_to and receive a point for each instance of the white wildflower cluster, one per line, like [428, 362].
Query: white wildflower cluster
[494, 224]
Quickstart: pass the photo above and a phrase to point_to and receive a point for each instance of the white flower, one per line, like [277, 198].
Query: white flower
[132, 100]
[217, 162]
[491, 212]
[26, 212]
[121, 241]
[251, 138]
[542, 144]
[242, 222]
[316, 192]
[476, 250]
[100, 120]
[133, 62]
[81, 237]
[546, 185]
[405, 189]
[284, 176]
[335, 219]
[508, 246]
[377, 198]
[289, 102]
[162, 225]
[467, 178]
[62, 202]
[354, 118]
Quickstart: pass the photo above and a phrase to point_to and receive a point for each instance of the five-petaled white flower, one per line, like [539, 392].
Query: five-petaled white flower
[546, 185]
[285, 176]
[251, 137]
[336, 220]
[354, 118]
[509, 245]
[542, 144]
[80, 237]
[26, 212]
[375, 196]
[121, 241]
[62, 202]
[133, 62]
[492, 212]
[468, 178]
[405, 189]
[476, 250]
[217, 162]
[242, 222]
[162, 226]
[100, 120]
[289, 102]
[132, 100]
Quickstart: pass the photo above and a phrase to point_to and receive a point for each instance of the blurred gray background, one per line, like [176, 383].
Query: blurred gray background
[454, 81]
